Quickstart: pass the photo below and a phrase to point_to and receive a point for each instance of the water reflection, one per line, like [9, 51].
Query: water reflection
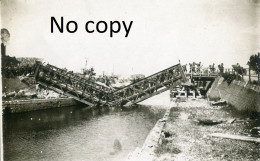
[76, 133]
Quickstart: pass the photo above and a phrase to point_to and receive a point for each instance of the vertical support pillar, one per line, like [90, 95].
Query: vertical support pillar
[258, 64]
[182, 73]
[36, 72]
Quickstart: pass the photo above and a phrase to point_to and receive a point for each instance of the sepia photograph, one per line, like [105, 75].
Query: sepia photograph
[130, 80]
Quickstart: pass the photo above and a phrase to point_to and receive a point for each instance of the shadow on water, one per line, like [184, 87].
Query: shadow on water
[79, 133]
[56, 118]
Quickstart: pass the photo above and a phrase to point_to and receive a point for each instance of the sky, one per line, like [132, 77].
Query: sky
[163, 32]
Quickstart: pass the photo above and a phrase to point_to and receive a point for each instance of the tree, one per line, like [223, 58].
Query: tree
[254, 64]
[239, 70]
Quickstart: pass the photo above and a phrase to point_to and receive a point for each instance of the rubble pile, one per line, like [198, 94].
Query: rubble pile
[28, 93]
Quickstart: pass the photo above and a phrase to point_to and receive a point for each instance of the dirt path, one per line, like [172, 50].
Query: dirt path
[189, 124]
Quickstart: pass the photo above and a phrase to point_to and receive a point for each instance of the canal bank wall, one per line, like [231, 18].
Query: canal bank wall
[147, 151]
[241, 95]
[24, 105]
[17, 106]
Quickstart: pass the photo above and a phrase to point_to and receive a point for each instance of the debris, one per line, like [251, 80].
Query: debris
[167, 134]
[257, 128]
[218, 103]
[231, 121]
[208, 122]
[11, 94]
[236, 137]
[117, 145]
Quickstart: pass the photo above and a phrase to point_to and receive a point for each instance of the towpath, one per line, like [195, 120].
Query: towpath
[187, 130]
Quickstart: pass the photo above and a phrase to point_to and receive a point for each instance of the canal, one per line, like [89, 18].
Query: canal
[77, 133]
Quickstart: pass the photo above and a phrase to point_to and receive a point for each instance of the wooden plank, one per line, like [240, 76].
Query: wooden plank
[236, 137]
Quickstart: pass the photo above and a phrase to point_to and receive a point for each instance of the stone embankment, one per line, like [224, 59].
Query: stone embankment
[18, 96]
[147, 152]
[242, 95]
[17, 106]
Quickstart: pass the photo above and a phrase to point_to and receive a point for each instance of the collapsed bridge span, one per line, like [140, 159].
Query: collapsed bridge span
[92, 93]
[82, 89]
[149, 86]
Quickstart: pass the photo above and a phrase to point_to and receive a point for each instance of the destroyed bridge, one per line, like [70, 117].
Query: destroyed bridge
[92, 93]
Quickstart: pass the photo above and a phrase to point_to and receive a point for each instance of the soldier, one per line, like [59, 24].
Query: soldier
[184, 67]
[221, 68]
[212, 68]
[190, 67]
[193, 66]
[198, 67]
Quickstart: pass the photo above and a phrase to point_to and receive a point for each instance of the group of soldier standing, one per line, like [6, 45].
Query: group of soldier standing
[197, 68]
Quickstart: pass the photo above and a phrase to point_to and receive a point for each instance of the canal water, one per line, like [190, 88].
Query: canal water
[76, 133]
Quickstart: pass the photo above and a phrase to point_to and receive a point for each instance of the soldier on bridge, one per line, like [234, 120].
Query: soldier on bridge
[221, 68]
[212, 68]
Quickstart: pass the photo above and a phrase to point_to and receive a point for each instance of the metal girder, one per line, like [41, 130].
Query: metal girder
[72, 85]
[149, 86]
[93, 94]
